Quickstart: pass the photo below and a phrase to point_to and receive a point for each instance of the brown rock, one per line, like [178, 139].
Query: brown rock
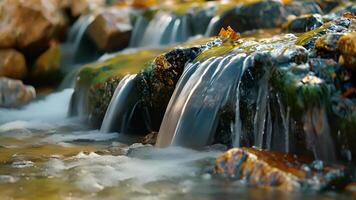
[30, 24]
[111, 29]
[347, 48]
[12, 64]
[48, 63]
[76, 7]
[275, 169]
[143, 3]
[150, 138]
[351, 188]
[14, 93]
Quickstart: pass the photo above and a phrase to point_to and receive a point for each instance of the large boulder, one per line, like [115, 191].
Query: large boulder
[30, 25]
[14, 93]
[111, 29]
[12, 64]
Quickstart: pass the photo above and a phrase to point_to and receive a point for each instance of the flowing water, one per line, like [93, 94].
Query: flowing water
[46, 155]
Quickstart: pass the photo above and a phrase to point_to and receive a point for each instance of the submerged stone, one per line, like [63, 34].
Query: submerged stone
[270, 169]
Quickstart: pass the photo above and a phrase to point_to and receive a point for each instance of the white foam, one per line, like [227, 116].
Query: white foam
[53, 108]
[93, 172]
[20, 125]
[94, 135]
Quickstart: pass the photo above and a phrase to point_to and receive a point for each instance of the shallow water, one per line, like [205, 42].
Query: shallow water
[45, 155]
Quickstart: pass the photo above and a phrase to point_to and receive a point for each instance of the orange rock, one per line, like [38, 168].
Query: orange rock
[111, 29]
[12, 64]
[143, 3]
[347, 48]
[351, 188]
[29, 24]
[274, 169]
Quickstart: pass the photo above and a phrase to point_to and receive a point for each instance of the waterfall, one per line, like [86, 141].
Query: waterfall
[77, 49]
[157, 29]
[316, 127]
[121, 106]
[191, 117]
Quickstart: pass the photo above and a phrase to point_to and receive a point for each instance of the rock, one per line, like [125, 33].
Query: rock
[351, 188]
[14, 93]
[47, 67]
[297, 8]
[97, 82]
[150, 138]
[12, 64]
[30, 25]
[274, 169]
[111, 30]
[328, 42]
[305, 23]
[339, 25]
[347, 47]
[143, 3]
[158, 82]
[261, 14]
[76, 7]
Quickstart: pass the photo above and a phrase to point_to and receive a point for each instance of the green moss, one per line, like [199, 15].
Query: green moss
[215, 52]
[305, 37]
[117, 66]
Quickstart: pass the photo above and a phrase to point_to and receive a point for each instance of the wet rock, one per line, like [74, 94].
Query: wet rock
[347, 47]
[328, 42]
[150, 138]
[30, 25]
[305, 23]
[46, 69]
[329, 5]
[262, 14]
[111, 30]
[339, 25]
[297, 8]
[273, 169]
[12, 64]
[14, 93]
[348, 7]
[157, 83]
[97, 82]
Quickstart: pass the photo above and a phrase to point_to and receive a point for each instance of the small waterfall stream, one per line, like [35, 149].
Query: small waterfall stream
[121, 106]
[192, 117]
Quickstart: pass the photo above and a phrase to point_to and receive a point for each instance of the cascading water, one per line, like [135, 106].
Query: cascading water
[239, 83]
[73, 52]
[164, 28]
[191, 118]
[76, 50]
[168, 27]
[121, 106]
